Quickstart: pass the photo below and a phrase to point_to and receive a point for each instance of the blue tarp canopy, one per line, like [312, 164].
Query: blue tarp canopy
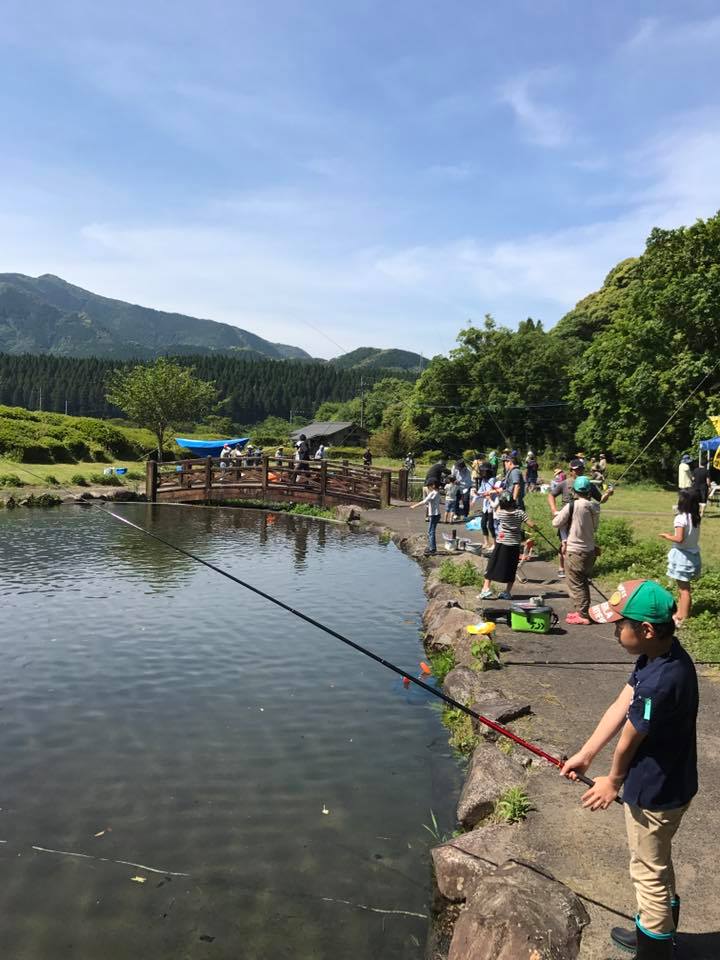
[712, 444]
[209, 448]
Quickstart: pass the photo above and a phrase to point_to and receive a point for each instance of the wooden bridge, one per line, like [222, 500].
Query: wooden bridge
[323, 483]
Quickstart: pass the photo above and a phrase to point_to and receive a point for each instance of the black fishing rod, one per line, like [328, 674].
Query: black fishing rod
[491, 724]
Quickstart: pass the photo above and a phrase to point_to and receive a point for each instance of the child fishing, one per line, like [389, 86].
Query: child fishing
[432, 501]
[503, 563]
[655, 759]
[684, 564]
[451, 489]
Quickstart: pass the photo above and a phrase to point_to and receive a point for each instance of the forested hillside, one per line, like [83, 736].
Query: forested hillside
[251, 390]
[373, 358]
[48, 315]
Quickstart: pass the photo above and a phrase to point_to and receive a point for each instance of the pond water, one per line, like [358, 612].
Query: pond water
[153, 712]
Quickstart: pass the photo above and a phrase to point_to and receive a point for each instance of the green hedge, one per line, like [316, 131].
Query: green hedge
[30, 436]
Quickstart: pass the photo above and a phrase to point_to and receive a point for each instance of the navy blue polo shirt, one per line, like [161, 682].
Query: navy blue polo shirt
[663, 772]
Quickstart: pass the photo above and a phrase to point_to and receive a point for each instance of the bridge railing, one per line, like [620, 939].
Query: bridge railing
[321, 482]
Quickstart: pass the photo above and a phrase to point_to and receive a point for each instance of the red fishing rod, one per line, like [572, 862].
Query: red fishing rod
[491, 724]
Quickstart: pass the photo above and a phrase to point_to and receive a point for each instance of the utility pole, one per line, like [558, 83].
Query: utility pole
[66, 408]
[40, 400]
[362, 402]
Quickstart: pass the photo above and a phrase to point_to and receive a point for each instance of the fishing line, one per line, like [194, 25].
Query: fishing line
[496, 727]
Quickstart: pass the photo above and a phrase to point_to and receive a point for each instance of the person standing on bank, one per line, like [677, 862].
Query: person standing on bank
[684, 562]
[514, 480]
[685, 480]
[655, 760]
[503, 563]
[432, 502]
[580, 517]
[701, 485]
[463, 478]
[436, 474]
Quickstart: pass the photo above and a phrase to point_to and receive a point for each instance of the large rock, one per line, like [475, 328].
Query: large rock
[490, 774]
[519, 912]
[448, 627]
[464, 685]
[436, 589]
[494, 705]
[462, 861]
[348, 513]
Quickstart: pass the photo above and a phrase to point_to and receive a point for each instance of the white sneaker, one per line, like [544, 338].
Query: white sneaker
[485, 595]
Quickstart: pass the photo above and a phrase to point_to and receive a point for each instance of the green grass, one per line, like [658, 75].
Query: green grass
[442, 662]
[513, 805]
[63, 472]
[464, 574]
[462, 735]
[628, 536]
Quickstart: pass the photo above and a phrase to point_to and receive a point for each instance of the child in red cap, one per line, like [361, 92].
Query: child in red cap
[655, 759]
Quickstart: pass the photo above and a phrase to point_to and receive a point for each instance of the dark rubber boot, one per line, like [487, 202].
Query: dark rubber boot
[653, 948]
[627, 939]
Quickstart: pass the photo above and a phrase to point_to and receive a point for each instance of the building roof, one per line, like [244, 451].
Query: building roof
[323, 428]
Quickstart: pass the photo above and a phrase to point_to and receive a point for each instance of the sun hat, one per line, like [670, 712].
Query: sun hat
[642, 600]
[581, 485]
[576, 464]
[685, 458]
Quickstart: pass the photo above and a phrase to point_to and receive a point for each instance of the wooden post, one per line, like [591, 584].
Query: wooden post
[265, 466]
[402, 490]
[385, 478]
[186, 475]
[151, 480]
[323, 482]
[208, 478]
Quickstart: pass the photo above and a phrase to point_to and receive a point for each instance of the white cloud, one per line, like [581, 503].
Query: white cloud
[545, 125]
[657, 36]
[299, 269]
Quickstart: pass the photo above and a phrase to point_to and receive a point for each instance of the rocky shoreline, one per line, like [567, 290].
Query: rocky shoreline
[493, 898]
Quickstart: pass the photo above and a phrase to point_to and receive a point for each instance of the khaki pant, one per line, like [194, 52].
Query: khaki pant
[578, 569]
[650, 836]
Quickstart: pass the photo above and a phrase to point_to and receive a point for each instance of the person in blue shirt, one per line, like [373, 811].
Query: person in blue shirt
[655, 759]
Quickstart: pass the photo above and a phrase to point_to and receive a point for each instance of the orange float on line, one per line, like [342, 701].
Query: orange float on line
[425, 668]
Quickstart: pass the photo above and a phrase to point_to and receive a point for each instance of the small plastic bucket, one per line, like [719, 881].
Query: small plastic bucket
[532, 619]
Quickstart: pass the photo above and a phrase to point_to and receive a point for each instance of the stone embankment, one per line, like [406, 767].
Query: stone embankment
[494, 899]
[56, 496]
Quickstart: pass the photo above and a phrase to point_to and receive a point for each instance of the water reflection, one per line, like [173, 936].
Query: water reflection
[197, 729]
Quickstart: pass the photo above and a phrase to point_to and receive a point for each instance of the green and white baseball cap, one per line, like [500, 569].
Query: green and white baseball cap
[642, 600]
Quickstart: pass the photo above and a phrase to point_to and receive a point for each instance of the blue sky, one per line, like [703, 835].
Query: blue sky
[338, 174]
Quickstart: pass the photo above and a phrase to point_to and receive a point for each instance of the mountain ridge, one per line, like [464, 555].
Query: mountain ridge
[46, 314]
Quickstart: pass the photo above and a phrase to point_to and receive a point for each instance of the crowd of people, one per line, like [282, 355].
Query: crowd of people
[490, 493]
[655, 758]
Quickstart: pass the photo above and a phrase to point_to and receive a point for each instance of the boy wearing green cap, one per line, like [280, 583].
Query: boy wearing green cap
[655, 760]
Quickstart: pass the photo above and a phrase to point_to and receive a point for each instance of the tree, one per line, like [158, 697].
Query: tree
[159, 394]
[660, 341]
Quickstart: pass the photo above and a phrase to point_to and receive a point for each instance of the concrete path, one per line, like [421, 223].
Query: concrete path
[587, 851]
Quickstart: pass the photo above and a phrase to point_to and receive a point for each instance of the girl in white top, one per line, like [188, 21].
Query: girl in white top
[684, 563]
